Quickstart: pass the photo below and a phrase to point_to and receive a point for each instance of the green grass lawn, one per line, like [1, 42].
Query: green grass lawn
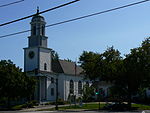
[94, 106]
[91, 106]
[141, 107]
[88, 106]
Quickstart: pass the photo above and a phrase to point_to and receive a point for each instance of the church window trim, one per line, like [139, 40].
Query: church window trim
[71, 87]
[52, 80]
[45, 66]
[38, 29]
[79, 87]
[34, 30]
[43, 31]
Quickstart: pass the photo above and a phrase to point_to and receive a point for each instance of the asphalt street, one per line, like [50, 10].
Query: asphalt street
[146, 111]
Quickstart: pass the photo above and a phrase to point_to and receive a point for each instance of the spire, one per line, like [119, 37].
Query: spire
[37, 10]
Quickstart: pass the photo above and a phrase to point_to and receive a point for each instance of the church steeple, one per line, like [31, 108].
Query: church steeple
[38, 37]
[37, 54]
[37, 10]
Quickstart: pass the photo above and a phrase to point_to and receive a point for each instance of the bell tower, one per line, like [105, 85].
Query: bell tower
[37, 37]
[37, 55]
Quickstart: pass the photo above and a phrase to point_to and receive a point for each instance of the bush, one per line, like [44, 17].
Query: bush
[59, 102]
[26, 105]
[31, 103]
[18, 107]
[49, 103]
[78, 99]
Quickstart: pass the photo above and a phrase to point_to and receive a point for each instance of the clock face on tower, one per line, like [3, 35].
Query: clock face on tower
[31, 54]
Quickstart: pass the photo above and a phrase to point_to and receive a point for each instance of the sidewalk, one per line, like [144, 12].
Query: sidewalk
[42, 107]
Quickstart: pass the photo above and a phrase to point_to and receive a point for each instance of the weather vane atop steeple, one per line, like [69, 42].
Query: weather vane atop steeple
[37, 9]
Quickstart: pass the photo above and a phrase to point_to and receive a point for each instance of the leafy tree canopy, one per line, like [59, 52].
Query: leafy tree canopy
[129, 75]
[55, 55]
[100, 66]
[14, 84]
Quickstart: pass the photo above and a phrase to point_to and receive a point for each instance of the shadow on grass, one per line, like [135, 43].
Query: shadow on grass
[95, 107]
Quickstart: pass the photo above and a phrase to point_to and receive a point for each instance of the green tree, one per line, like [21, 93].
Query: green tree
[135, 72]
[14, 84]
[112, 62]
[129, 75]
[69, 60]
[55, 55]
[91, 63]
[88, 92]
[101, 66]
[144, 60]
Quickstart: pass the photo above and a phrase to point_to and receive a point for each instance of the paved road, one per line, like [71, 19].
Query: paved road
[146, 111]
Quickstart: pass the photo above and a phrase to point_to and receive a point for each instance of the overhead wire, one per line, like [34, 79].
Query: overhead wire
[16, 20]
[82, 17]
[4, 5]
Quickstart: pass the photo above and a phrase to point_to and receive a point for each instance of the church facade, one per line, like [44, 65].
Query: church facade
[55, 79]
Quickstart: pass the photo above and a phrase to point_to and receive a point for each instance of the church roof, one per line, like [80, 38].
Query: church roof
[67, 67]
[38, 18]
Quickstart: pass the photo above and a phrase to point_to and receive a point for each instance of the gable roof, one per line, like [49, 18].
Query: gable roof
[63, 66]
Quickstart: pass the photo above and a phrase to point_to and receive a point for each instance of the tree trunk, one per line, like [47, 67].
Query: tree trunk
[129, 99]
[8, 102]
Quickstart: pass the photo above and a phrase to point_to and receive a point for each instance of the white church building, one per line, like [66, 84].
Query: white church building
[59, 78]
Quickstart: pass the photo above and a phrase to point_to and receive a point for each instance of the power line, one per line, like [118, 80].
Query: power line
[82, 17]
[11, 3]
[15, 33]
[40, 12]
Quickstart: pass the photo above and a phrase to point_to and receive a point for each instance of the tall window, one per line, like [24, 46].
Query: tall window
[34, 30]
[52, 80]
[42, 30]
[52, 91]
[71, 87]
[79, 87]
[45, 66]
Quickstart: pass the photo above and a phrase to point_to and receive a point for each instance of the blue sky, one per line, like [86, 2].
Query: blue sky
[124, 29]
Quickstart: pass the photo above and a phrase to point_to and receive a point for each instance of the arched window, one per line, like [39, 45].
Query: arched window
[43, 30]
[79, 87]
[45, 66]
[52, 80]
[71, 87]
[34, 30]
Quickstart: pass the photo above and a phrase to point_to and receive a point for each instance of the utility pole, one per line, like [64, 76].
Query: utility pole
[56, 94]
[99, 103]
[98, 96]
